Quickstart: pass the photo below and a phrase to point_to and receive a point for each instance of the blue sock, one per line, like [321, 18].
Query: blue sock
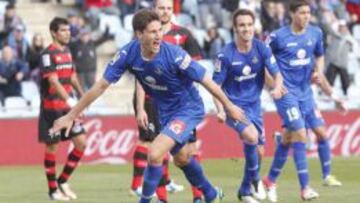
[301, 163]
[280, 158]
[325, 157]
[245, 187]
[251, 168]
[194, 174]
[259, 166]
[152, 176]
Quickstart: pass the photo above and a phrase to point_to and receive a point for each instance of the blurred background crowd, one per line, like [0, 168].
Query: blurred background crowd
[100, 27]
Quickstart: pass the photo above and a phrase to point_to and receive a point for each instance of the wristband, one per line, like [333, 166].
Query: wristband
[71, 102]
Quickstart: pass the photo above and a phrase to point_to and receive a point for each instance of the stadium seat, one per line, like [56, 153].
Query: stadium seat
[184, 19]
[15, 103]
[112, 21]
[128, 22]
[29, 90]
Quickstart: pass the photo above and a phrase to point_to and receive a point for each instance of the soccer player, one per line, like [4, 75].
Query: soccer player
[240, 70]
[58, 77]
[147, 113]
[166, 72]
[298, 49]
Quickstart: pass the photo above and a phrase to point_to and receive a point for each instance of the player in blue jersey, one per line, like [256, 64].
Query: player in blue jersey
[240, 70]
[166, 72]
[299, 52]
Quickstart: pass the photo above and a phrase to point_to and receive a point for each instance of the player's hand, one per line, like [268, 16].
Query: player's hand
[142, 119]
[221, 116]
[315, 78]
[340, 105]
[277, 93]
[64, 122]
[237, 114]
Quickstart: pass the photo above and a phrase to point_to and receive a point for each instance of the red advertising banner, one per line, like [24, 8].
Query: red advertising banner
[111, 139]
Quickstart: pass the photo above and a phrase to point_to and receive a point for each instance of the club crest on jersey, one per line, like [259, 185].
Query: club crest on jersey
[255, 60]
[309, 43]
[177, 126]
[301, 53]
[246, 70]
[158, 71]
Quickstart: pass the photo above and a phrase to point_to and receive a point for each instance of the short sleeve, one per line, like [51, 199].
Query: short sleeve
[221, 68]
[187, 66]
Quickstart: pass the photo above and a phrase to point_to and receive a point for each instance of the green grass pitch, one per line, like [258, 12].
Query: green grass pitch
[110, 183]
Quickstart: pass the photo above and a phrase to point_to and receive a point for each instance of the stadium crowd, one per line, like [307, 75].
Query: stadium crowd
[208, 20]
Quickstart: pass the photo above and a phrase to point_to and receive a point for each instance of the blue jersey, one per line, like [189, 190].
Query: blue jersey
[241, 75]
[295, 55]
[167, 78]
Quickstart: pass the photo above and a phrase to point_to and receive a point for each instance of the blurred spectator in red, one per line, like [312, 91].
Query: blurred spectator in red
[17, 41]
[34, 57]
[9, 22]
[353, 7]
[12, 72]
[96, 7]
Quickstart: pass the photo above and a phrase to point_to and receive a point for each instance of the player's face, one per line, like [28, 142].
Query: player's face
[62, 36]
[151, 37]
[164, 8]
[244, 27]
[301, 17]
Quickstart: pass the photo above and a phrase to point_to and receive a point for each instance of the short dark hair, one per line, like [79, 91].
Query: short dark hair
[295, 4]
[242, 12]
[56, 22]
[142, 18]
[10, 6]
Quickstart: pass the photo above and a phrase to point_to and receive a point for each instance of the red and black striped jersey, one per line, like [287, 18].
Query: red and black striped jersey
[55, 61]
[181, 36]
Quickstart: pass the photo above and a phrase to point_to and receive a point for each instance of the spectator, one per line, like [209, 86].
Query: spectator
[338, 52]
[84, 54]
[12, 72]
[18, 42]
[10, 21]
[213, 43]
[95, 7]
[353, 7]
[209, 11]
[34, 57]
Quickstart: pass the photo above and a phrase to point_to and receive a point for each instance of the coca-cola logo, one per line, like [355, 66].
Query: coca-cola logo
[344, 139]
[113, 146]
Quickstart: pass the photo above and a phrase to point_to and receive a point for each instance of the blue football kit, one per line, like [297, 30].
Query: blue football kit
[295, 55]
[241, 76]
[168, 78]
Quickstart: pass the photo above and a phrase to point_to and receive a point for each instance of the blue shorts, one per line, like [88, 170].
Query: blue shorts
[254, 115]
[180, 126]
[298, 114]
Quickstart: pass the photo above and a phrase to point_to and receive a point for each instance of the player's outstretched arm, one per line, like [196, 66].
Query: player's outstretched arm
[141, 115]
[90, 96]
[233, 111]
[324, 84]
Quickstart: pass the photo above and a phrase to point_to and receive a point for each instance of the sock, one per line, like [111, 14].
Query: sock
[325, 157]
[251, 168]
[301, 163]
[166, 168]
[152, 176]
[161, 189]
[197, 194]
[71, 163]
[194, 174]
[139, 165]
[259, 165]
[50, 170]
[280, 158]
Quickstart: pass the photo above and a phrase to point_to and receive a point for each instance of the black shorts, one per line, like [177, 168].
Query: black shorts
[193, 137]
[46, 120]
[149, 134]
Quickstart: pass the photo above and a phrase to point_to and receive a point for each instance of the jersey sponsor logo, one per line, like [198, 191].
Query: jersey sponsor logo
[301, 61]
[272, 59]
[292, 44]
[236, 63]
[64, 66]
[46, 60]
[301, 53]
[177, 126]
[137, 68]
[151, 82]
[186, 62]
[246, 70]
[246, 74]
